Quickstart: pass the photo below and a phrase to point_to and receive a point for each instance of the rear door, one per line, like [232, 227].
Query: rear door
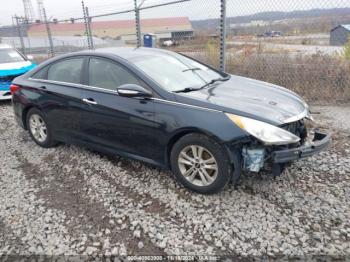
[61, 96]
[111, 121]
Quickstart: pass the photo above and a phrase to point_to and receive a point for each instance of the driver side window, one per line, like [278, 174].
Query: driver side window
[109, 75]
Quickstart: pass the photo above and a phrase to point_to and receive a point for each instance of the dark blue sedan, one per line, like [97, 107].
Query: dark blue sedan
[166, 109]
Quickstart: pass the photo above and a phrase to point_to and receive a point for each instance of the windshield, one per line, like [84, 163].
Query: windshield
[175, 72]
[9, 55]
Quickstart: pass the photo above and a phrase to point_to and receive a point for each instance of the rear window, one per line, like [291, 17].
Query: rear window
[9, 55]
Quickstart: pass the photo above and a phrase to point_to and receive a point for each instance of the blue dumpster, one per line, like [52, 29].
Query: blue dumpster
[149, 40]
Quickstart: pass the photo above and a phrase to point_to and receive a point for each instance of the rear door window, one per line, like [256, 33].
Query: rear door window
[68, 71]
[109, 75]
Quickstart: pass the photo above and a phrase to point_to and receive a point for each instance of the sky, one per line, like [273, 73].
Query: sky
[195, 9]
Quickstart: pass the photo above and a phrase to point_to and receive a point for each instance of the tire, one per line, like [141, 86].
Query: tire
[190, 174]
[40, 136]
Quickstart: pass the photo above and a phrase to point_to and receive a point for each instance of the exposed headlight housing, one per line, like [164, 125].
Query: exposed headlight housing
[266, 133]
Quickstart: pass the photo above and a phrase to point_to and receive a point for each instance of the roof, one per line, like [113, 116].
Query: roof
[170, 21]
[129, 52]
[126, 52]
[347, 27]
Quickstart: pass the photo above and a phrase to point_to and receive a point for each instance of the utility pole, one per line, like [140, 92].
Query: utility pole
[223, 36]
[89, 20]
[28, 11]
[19, 31]
[137, 23]
[49, 35]
[86, 23]
[40, 4]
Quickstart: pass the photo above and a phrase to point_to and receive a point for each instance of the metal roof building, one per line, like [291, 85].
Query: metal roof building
[340, 35]
[116, 28]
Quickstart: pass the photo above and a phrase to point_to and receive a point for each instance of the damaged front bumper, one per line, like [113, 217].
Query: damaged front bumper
[258, 157]
[320, 142]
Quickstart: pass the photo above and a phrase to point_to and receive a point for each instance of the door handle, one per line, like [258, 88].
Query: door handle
[90, 101]
[42, 87]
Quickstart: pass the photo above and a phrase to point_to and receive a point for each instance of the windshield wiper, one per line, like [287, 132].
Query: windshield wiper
[221, 79]
[186, 90]
[192, 69]
[190, 89]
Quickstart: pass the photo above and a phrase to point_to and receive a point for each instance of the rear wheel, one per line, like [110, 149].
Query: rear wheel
[39, 129]
[200, 164]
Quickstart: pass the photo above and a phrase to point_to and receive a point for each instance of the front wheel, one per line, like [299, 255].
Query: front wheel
[200, 164]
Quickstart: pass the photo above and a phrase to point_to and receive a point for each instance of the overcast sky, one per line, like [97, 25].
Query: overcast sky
[195, 9]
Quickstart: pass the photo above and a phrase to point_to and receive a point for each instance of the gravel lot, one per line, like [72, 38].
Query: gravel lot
[68, 200]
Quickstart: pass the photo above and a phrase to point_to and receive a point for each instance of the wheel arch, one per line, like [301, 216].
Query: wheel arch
[181, 133]
[25, 113]
[232, 153]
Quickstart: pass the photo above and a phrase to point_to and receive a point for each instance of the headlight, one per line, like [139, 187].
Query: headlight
[268, 134]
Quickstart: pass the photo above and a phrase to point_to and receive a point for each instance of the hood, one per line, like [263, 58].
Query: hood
[15, 68]
[250, 98]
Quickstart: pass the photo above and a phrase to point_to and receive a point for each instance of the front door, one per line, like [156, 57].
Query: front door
[110, 121]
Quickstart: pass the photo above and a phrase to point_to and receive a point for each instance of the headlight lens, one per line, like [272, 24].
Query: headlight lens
[268, 134]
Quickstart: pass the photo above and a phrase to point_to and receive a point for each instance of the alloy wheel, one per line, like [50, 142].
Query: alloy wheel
[198, 165]
[38, 127]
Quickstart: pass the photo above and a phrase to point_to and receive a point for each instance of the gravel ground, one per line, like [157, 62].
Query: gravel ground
[68, 200]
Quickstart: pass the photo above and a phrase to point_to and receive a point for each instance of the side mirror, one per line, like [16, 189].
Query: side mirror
[132, 90]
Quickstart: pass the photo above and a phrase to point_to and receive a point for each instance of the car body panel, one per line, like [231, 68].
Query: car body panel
[146, 128]
[61, 104]
[249, 98]
[119, 123]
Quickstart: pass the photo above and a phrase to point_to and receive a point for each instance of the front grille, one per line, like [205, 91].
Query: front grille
[297, 128]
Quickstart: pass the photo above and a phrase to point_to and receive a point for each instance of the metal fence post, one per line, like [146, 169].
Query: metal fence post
[86, 25]
[223, 35]
[49, 35]
[88, 19]
[19, 31]
[137, 23]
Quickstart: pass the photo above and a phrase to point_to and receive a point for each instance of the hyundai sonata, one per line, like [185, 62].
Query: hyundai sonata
[166, 109]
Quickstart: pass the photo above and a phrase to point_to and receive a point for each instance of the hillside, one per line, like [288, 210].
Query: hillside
[333, 16]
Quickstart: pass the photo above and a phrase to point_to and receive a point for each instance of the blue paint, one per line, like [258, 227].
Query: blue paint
[5, 85]
[20, 71]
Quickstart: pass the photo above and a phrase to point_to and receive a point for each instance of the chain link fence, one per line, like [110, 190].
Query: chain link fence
[301, 45]
[295, 44]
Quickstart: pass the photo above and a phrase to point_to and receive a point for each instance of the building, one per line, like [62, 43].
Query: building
[164, 29]
[255, 23]
[340, 35]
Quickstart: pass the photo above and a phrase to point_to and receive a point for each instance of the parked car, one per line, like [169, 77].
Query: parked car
[12, 64]
[168, 43]
[272, 34]
[165, 109]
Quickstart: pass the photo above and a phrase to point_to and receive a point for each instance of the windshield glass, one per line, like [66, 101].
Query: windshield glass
[175, 72]
[10, 55]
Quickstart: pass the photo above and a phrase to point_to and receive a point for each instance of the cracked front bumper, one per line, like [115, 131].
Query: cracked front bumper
[320, 142]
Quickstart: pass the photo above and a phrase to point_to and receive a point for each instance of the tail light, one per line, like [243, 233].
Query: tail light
[14, 88]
